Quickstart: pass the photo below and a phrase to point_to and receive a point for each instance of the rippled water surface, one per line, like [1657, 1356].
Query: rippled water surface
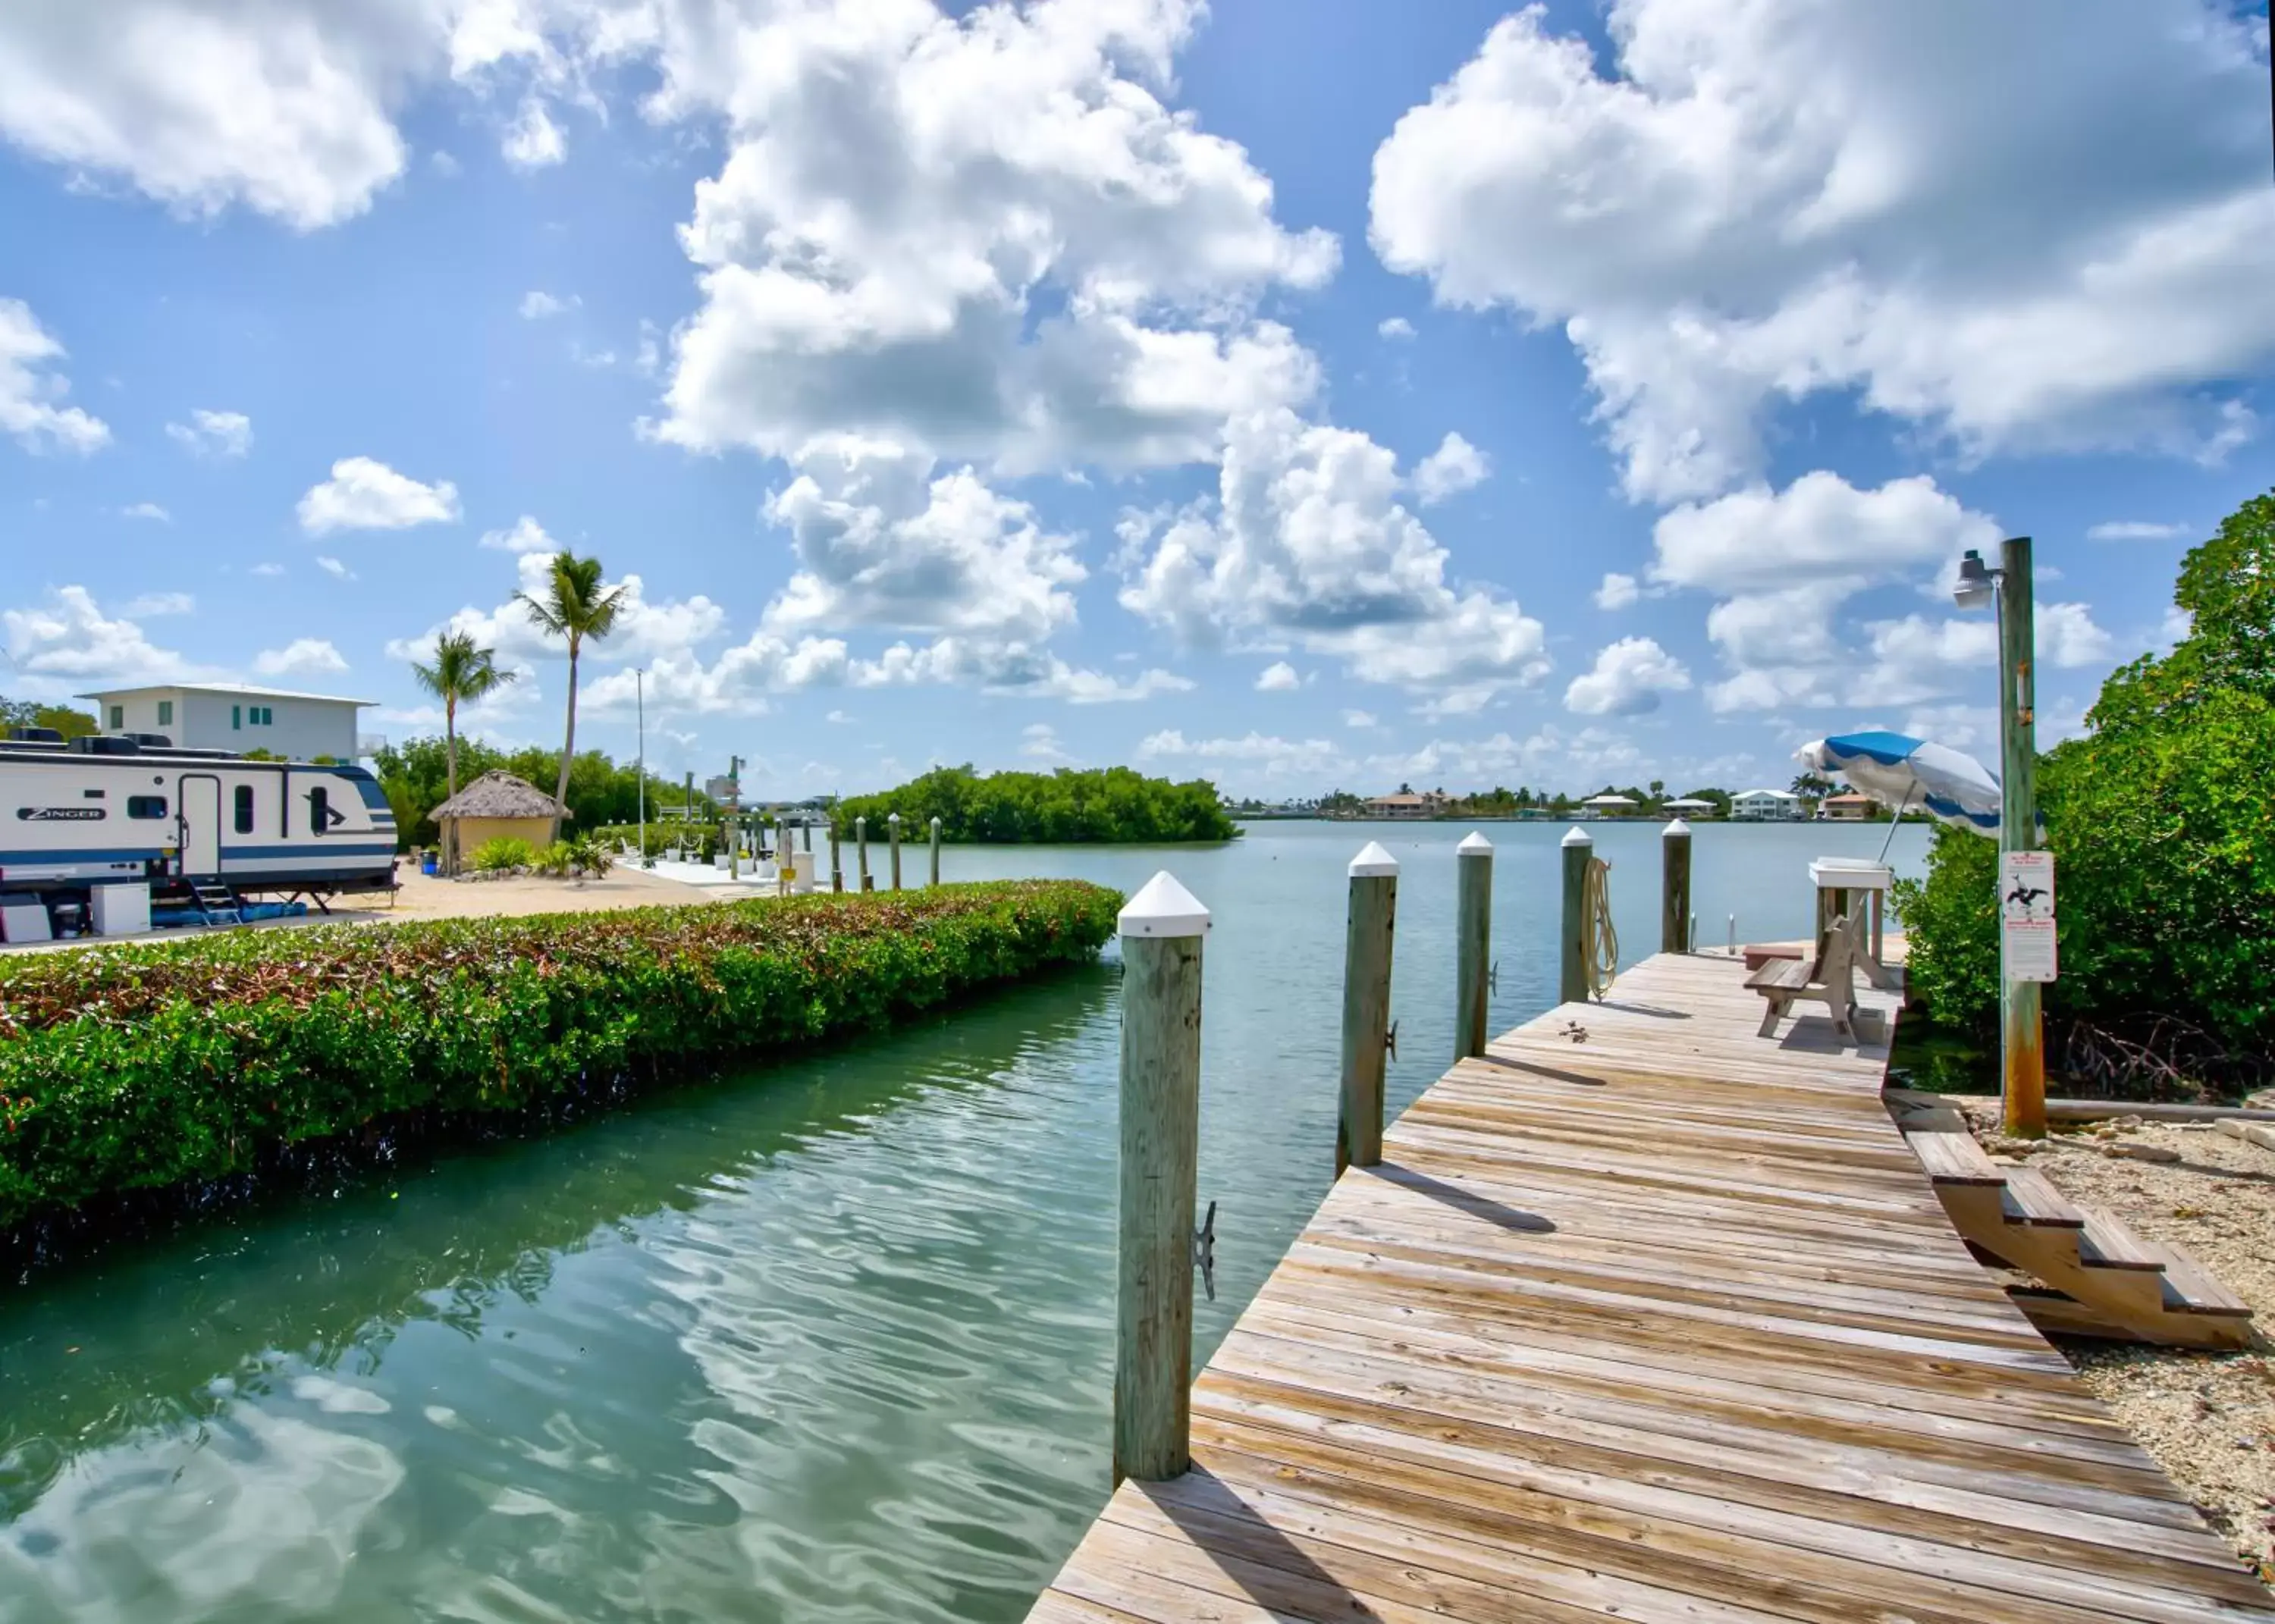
[829, 1340]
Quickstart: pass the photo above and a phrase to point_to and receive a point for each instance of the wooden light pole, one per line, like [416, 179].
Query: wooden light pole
[935, 849]
[1161, 928]
[861, 850]
[2021, 1018]
[1368, 934]
[893, 824]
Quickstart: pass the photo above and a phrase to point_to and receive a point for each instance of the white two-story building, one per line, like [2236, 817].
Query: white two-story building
[1765, 806]
[239, 716]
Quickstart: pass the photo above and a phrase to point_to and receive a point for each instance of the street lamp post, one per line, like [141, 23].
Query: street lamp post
[2021, 1029]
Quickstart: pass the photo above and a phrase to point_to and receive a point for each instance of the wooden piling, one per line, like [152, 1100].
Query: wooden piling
[861, 851]
[1674, 888]
[836, 866]
[1162, 928]
[1369, 932]
[1572, 955]
[893, 829]
[1473, 942]
[935, 849]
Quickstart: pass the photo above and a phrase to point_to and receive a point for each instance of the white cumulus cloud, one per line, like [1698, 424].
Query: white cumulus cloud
[1618, 591]
[2038, 224]
[1278, 677]
[30, 388]
[365, 495]
[526, 535]
[213, 434]
[537, 305]
[1453, 467]
[1308, 546]
[986, 235]
[1627, 680]
[70, 638]
[301, 657]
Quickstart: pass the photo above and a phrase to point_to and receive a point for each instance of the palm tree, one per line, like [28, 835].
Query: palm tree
[460, 672]
[574, 607]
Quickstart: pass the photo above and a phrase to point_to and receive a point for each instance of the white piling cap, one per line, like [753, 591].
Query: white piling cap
[935, 821]
[1674, 828]
[892, 817]
[1474, 845]
[1373, 862]
[1163, 908]
[1577, 836]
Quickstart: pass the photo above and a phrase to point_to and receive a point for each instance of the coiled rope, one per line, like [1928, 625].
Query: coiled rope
[1599, 940]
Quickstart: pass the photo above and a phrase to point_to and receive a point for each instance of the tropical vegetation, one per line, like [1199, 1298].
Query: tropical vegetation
[1067, 806]
[146, 1067]
[414, 777]
[2162, 823]
[31, 713]
[574, 609]
[461, 674]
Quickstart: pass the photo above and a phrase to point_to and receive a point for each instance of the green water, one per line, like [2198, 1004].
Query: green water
[827, 1340]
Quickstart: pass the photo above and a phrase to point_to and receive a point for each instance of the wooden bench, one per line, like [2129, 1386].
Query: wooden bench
[1829, 979]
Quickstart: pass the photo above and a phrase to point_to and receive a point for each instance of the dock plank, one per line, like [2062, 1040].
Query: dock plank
[1646, 1317]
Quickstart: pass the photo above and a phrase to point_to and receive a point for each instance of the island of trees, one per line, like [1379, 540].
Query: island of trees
[1065, 807]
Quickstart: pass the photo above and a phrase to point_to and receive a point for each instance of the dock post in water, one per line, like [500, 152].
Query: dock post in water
[861, 851]
[935, 849]
[1572, 955]
[1367, 940]
[1674, 888]
[1161, 928]
[893, 827]
[836, 868]
[1473, 942]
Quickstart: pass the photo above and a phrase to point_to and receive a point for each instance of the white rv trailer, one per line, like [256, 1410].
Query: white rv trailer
[109, 809]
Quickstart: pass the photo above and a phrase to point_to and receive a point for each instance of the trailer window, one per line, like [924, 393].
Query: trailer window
[118, 717]
[146, 805]
[165, 713]
[245, 809]
[319, 811]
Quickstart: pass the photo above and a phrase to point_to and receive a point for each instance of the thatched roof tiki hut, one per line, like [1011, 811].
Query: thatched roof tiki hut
[496, 805]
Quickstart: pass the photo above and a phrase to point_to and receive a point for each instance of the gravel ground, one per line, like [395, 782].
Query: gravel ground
[2208, 1419]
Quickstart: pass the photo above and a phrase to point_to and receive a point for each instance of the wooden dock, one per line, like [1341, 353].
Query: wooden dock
[1645, 1317]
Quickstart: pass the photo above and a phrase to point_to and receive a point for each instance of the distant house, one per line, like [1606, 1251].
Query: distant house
[1851, 808]
[1689, 807]
[495, 806]
[299, 727]
[1405, 804]
[1765, 806]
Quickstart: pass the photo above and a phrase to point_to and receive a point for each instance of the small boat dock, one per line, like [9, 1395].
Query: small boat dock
[1644, 1316]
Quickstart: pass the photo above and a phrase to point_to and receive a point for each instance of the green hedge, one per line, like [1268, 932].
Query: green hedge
[137, 1068]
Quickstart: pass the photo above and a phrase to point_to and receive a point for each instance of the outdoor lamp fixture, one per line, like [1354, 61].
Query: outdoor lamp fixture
[1978, 582]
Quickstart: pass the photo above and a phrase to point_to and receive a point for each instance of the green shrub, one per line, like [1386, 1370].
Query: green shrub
[1110, 803]
[2162, 823]
[591, 856]
[504, 852]
[555, 860]
[146, 1066]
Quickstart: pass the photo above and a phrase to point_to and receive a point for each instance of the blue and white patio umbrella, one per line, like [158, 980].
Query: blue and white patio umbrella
[1902, 771]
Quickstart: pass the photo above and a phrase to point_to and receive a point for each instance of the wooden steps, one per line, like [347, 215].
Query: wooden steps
[2099, 1278]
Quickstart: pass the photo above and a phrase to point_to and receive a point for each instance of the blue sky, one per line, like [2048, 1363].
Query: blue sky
[1297, 395]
